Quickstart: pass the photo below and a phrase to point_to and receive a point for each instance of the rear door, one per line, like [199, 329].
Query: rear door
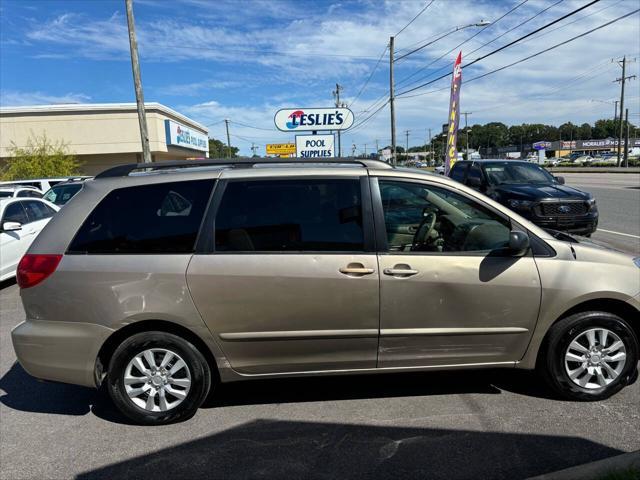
[286, 276]
[39, 214]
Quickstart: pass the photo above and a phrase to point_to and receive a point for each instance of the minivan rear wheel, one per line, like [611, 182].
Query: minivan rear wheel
[157, 378]
[590, 356]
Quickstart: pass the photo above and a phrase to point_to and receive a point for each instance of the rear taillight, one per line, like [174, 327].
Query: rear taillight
[34, 268]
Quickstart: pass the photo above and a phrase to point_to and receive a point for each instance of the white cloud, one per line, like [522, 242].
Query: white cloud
[13, 98]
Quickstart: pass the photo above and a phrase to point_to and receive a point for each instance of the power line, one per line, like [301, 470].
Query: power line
[254, 127]
[363, 122]
[370, 75]
[530, 56]
[414, 18]
[504, 46]
[509, 12]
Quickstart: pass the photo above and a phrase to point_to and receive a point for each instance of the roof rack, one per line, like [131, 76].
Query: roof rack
[125, 169]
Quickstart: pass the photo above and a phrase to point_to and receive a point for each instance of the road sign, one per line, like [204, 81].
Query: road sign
[315, 146]
[281, 149]
[313, 119]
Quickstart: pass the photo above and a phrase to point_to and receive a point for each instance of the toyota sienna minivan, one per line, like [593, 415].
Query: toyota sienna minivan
[161, 281]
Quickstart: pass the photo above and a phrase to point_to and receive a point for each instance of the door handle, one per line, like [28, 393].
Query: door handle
[356, 269]
[400, 272]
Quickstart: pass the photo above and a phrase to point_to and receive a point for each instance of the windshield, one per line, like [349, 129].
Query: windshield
[512, 172]
[61, 194]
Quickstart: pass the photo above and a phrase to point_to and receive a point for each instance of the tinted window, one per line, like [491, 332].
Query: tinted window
[290, 215]
[457, 172]
[15, 213]
[423, 218]
[162, 218]
[517, 172]
[29, 193]
[37, 210]
[474, 172]
[61, 194]
[6, 194]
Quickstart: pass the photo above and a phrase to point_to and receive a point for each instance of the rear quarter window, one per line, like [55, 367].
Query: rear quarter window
[153, 219]
[458, 171]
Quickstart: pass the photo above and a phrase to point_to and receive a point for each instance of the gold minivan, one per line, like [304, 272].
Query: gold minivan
[164, 280]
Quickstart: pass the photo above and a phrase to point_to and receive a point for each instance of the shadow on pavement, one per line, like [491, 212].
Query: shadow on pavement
[25, 393]
[292, 450]
[7, 283]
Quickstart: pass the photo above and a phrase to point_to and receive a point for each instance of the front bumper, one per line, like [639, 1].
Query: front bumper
[59, 351]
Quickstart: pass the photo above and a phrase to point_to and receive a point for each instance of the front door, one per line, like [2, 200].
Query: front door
[450, 292]
[290, 282]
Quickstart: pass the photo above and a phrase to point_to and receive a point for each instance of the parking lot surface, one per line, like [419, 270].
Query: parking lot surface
[490, 424]
[618, 197]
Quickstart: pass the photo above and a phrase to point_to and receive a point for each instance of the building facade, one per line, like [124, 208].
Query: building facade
[104, 135]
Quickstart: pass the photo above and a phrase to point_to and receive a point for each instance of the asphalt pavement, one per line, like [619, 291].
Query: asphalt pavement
[502, 424]
[618, 199]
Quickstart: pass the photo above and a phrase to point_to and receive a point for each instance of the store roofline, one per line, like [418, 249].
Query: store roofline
[99, 107]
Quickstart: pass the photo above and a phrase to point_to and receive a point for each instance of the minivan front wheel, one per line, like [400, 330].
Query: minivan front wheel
[590, 356]
[157, 378]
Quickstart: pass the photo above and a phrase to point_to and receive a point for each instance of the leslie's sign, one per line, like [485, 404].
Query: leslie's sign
[310, 119]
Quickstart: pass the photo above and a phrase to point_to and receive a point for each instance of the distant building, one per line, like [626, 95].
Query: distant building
[105, 134]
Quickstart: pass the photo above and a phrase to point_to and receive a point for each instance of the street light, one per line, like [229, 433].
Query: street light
[392, 60]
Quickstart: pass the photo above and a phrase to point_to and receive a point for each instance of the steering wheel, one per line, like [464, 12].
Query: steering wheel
[423, 231]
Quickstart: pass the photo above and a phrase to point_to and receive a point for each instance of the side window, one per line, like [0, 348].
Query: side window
[15, 213]
[475, 174]
[458, 171]
[160, 218]
[36, 210]
[29, 194]
[290, 215]
[423, 218]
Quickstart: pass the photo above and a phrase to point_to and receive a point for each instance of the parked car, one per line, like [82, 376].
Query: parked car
[62, 192]
[21, 220]
[439, 170]
[532, 192]
[583, 159]
[42, 184]
[162, 285]
[19, 191]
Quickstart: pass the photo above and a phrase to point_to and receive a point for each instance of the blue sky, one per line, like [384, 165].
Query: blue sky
[244, 59]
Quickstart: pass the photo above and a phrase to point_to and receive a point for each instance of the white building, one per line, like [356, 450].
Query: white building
[105, 134]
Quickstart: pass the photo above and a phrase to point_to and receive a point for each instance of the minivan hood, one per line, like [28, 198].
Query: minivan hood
[539, 192]
[590, 250]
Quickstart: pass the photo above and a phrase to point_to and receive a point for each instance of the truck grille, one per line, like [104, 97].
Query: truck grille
[562, 209]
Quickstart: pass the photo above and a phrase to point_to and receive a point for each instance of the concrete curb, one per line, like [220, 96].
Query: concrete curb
[596, 470]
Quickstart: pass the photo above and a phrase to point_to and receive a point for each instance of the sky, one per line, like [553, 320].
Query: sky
[245, 59]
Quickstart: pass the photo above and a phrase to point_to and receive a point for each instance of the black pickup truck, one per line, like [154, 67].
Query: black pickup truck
[532, 192]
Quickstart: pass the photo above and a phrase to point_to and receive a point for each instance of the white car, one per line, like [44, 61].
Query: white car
[21, 219]
[42, 184]
[19, 191]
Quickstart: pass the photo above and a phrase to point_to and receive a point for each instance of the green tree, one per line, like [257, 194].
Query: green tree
[40, 158]
[217, 149]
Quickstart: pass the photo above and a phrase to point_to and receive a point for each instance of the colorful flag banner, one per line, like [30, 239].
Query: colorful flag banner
[454, 116]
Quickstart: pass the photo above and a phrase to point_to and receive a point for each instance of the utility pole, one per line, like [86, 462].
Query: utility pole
[615, 111]
[137, 82]
[622, 81]
[466, 131]
[336, 94]
[353, 150]
[626, 138]
[431, 149]
[226, 122]
[377, 148]
[406, 148]
[253, 148]
[391, 102]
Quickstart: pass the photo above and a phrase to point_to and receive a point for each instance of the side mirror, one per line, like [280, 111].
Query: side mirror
[11, 226]
[474, 182]
[560, 180]
[518, 242]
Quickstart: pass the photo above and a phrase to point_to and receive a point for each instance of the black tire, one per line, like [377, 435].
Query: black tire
[195, 361]
[551, 362]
